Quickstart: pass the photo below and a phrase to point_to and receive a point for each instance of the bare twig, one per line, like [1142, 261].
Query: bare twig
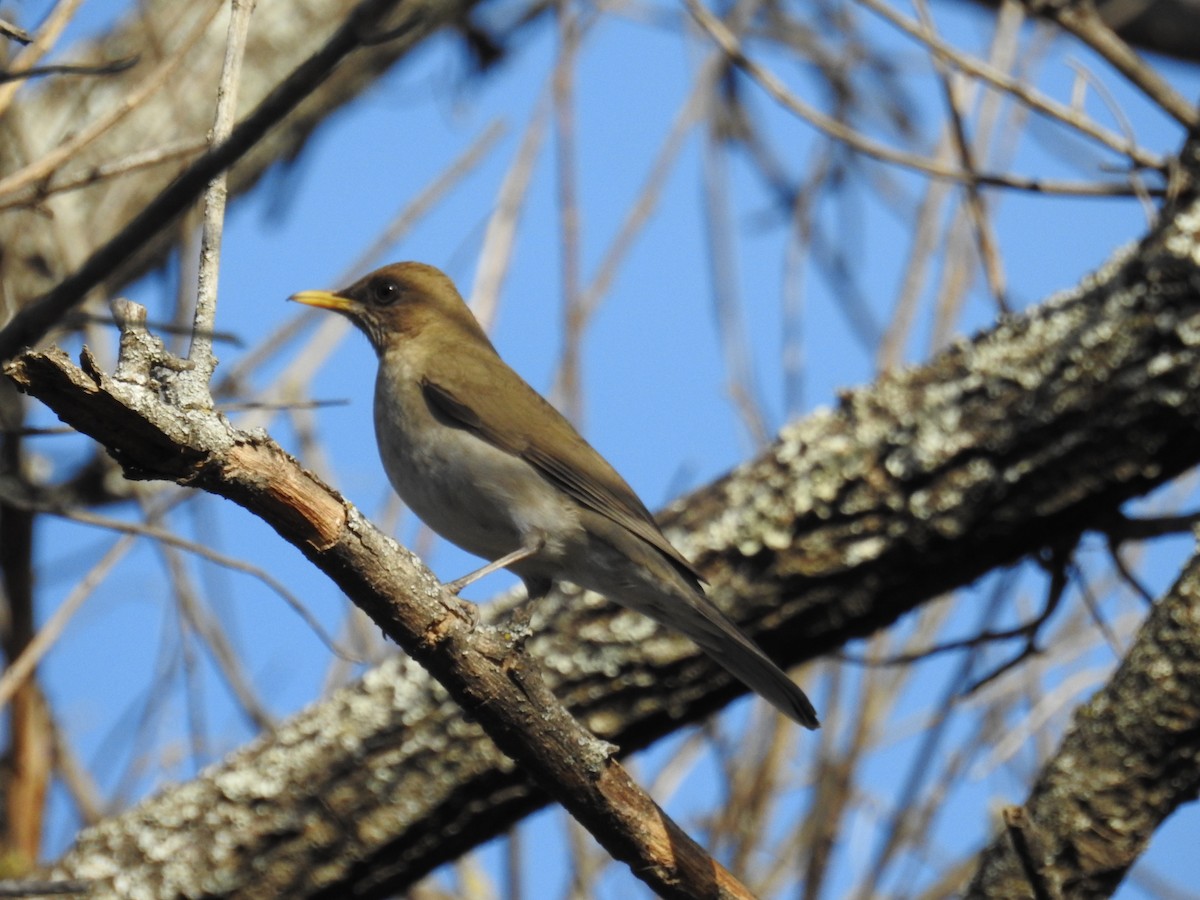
[127, 165]
[79, 784]
[43, 42]
[720, 234]
[15, 887]
[1017, 88]
[20, 668]
[170, 538]
[1082, 20]
[977, 209]
[192, 386]
[567, 390]
[109, 68]
[859, 142]
[15, 32]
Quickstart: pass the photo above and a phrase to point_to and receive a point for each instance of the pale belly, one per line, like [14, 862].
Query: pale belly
[476, 496]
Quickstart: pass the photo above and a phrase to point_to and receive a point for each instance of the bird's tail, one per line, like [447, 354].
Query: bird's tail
[638, 575]
[737, 654]
[685, 607]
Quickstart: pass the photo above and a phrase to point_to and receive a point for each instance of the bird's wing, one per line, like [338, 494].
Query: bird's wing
[554, 448]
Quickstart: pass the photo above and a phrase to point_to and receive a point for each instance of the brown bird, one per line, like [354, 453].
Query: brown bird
[489, 465]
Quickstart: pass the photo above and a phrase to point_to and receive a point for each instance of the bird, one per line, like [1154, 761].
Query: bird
[491, 466]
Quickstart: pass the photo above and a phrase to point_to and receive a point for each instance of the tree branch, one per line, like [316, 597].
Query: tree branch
[1127, 762]
[495, 683]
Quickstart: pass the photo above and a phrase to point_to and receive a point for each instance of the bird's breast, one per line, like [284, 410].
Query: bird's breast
[475, 495]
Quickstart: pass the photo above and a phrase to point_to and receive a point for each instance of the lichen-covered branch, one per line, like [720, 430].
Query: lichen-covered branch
[1129, 759]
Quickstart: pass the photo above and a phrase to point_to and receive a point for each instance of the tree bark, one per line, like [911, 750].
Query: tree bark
[1130, 759]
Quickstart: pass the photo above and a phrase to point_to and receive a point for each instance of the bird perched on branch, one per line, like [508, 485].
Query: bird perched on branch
[491, 466]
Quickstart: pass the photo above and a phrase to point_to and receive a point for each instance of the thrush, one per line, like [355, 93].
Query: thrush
[490, 465]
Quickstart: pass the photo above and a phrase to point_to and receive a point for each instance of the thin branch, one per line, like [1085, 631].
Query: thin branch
[15, 32]
[170, 538]
[46, 165]
[22, 667]
[126, 165]
[859, 142]
[193, 385]
[1017, 88]
[1059, 567]
[43, 42]
[20, 888]
[1122, 528]
[194, 617]
[985, 237]
[500, 234]
[568, 390]
[1027, 630]
[1082, 20]
[108, 68]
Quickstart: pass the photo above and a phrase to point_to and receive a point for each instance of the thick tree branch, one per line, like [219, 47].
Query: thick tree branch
[489, 677]
[1130, 758]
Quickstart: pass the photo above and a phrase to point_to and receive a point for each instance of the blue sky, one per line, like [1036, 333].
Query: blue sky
[655, 386]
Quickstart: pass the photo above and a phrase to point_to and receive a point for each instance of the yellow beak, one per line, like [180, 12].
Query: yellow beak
[324, 300]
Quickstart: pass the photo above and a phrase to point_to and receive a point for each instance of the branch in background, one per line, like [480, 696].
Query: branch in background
[13, 32]
[35, 318]
[193, 385]
[856, 140]
[111, 68]
[1082, 20]
[1127, 762]
[1170, 27]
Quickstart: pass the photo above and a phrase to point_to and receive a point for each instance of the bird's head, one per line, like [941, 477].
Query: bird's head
[400, 302]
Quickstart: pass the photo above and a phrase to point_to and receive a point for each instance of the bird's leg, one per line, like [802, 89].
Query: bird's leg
[532, 547]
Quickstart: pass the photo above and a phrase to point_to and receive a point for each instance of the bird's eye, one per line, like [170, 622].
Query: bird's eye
[385, 292]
